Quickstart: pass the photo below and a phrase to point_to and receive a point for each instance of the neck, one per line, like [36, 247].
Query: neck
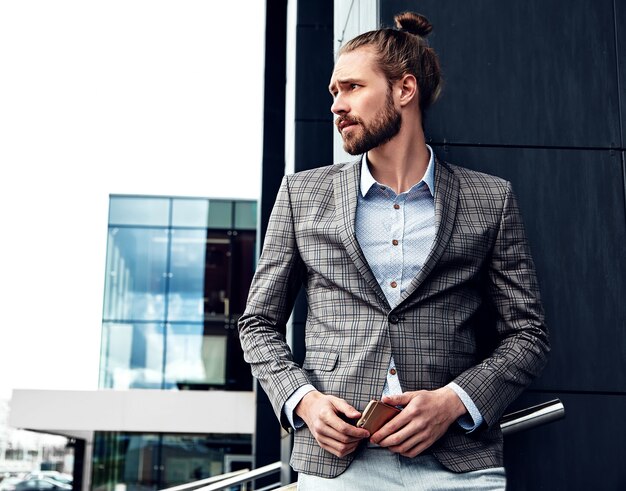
[401, 162]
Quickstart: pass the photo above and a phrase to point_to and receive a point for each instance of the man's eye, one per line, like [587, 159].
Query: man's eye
[354, 86]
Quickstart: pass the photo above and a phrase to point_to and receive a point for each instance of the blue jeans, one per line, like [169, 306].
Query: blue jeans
[378, 469]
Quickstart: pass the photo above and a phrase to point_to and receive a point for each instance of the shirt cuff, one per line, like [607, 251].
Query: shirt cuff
[473, 419]
[290, 406]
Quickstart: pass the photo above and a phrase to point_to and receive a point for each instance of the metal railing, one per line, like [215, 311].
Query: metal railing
[532, 417]
[525, 419]
[237, 478]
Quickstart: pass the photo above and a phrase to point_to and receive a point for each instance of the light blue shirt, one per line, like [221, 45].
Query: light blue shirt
[395, 233]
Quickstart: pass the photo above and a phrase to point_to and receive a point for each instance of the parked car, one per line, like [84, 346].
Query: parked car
[9, 483]
[42, 484]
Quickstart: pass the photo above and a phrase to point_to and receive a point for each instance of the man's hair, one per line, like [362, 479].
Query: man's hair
[402, 51]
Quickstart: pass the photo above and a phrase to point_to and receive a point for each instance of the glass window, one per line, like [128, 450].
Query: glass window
[217, 276]
[147, 462]
[136, 274]
[139, 210]
[190, 213]
[196, 357]
[126, 461]
[245, 215]
[220, 214]
[131, 356]
[243, 265]
[199, 268]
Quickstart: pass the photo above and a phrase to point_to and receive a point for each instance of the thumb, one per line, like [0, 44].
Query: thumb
[398, 399]
[345, 408]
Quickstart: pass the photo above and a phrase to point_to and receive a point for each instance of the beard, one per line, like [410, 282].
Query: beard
[385, 125]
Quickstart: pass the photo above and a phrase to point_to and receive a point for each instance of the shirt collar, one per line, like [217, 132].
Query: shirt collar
[367, 180]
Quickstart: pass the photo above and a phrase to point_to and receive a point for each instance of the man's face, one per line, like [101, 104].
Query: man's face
[363, 102]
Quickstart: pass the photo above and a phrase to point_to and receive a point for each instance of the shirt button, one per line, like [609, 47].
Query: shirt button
[393, 284]
[396, 206]
[392, 371]
[394, 242]
[394, 319]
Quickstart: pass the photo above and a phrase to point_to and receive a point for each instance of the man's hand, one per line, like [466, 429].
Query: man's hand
[320, 413]
[427, 415]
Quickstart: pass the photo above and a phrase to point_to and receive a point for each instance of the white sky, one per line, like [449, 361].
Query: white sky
[102, 97]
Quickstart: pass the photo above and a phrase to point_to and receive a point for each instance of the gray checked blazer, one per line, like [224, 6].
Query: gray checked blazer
[472, 315]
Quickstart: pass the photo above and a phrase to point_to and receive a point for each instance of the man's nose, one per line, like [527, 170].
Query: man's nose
[339, 105]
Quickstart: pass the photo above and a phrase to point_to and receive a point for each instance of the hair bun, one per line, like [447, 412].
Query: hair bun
[413, 23]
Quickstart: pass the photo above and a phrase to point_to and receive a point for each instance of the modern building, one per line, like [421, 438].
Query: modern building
[175, 402]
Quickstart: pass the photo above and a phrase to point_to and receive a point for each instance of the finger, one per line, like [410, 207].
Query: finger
[345, 408]
[340, 431]
[398, 399]
[407, 445]
[394, 425]
[340, 450]
[415, 450]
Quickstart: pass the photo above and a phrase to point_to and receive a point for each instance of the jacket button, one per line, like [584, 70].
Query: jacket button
[394, 319]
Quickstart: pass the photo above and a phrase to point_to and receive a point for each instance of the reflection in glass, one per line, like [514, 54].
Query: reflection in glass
[147, 462]
[131, 356]
[195, 356]
[217, 275]
[245, 215]
[136, 273]
[198, 287]
[243, 266]
[139, 210]
[187, 212]
[186, 289]
[220, 214]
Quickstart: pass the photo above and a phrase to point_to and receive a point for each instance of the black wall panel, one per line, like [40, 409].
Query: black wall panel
[620, 38]
[312, 149]
[532, 72]
[571, 454]
[536, 93]
[314, 67]
[573, 207]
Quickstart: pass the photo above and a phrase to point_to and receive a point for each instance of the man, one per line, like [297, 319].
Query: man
[401, 256]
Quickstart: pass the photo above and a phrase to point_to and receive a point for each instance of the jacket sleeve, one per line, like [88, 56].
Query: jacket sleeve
[262, 327]
[523, 344]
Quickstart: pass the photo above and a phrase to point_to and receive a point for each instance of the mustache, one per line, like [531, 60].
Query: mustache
[346, 119]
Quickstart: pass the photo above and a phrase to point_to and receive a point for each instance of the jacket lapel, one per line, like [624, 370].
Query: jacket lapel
[346, 188]
[446, 201]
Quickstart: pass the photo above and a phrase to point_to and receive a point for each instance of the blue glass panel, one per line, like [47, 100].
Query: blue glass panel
[245, 215]
[135, 274]
[190, 213]
[195, 357]
[220, 214]
[131, 356]
[131, 210]
[199, 266]
[151, 461]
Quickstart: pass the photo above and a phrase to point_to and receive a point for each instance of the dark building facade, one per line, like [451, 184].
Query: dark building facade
[535, 94]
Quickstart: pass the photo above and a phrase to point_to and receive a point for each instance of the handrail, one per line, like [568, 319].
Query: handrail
[244, 478]
[532, 417]
[209, 480]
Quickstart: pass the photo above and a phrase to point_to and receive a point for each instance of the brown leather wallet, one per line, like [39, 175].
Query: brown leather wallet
[375, 415]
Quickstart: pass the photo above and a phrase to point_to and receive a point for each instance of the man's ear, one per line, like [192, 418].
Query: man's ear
[407, 89]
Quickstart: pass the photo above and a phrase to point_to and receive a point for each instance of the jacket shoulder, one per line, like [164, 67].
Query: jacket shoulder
[479, 184]
[318, 178]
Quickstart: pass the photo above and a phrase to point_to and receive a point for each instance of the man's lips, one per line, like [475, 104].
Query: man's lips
[344, 123]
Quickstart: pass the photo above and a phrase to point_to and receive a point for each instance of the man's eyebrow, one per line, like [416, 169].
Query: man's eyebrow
[343, 81]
